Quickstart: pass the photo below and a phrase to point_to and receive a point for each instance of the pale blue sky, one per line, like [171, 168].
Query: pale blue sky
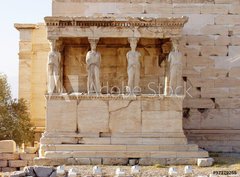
[17, 11]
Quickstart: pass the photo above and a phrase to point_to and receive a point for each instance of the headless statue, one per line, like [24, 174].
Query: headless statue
[93, 60]
[54, 58]
[175, 75]
[133, 66]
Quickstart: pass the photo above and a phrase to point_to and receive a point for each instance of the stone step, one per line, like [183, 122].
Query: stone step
[78, 147]
[127, 154]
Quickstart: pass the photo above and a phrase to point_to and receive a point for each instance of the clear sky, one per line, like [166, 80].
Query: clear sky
[17, 11]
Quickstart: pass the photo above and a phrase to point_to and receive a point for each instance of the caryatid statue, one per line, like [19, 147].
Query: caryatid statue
[133, 66]
[93, 60]
[54, 59]
[175, 70]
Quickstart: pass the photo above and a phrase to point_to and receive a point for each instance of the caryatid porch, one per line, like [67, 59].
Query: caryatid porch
[119, 125]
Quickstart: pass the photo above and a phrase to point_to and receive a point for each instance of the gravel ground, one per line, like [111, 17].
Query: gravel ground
[224, 162]
[153, 171]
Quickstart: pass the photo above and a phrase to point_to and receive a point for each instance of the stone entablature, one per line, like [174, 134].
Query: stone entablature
[114, 27]
[116, 22]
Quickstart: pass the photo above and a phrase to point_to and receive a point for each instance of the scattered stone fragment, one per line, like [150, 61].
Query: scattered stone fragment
[205, 162]
[72, 173]
[135, 170]
[29, 171]
[42, 171]
[119, 172]
[97, 170]
[212, 175]
[172, 171]
[54, 174]
[18, 174]
[61, 170]
[188, 170]
[132, 162]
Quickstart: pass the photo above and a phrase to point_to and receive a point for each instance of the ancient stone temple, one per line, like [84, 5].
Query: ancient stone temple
[120, 80]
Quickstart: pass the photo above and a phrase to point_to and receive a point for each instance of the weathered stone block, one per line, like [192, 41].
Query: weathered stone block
[200, 40]
[5, 156]
[126, 120]
[24, 156]
[227, 82]
[222, 40]
[198, 103]
[197, 22]
[156, 121]
[190, 9]
[214, 50]
[57, 111]
[235, 40]
[234, 122]
[214, 92]
[115, 105]
[96, 161]
[83, 161]
[115, 161]
[234, 92]
[205, 162]
[214, 119]
[156, 8]
[17, 163]
[152, 161]
[7, 146]
[88, 120]
[214, 9]
[200, 82]
[3, 163]
[215, 30]
[192, 119]
[236, 30]
[181, 161]
[230, 103]
[9, 169]
[43, 171]
[234, 9]
[227, 20]
[49, 162]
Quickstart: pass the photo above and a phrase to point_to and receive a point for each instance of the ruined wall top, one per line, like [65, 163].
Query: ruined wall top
[153, 8]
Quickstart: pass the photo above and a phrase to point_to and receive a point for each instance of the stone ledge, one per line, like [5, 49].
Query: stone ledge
[115, 161]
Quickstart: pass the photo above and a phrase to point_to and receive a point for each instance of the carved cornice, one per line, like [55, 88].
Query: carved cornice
[19, 26]
[85, 22]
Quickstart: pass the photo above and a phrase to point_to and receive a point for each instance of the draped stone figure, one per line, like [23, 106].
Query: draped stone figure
[93, 60]
[53, 68]
[133, 69]
[175, 70]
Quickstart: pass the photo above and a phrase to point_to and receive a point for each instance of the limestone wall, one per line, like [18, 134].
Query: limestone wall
[211, 48]
[15, 161]
[33, 51]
